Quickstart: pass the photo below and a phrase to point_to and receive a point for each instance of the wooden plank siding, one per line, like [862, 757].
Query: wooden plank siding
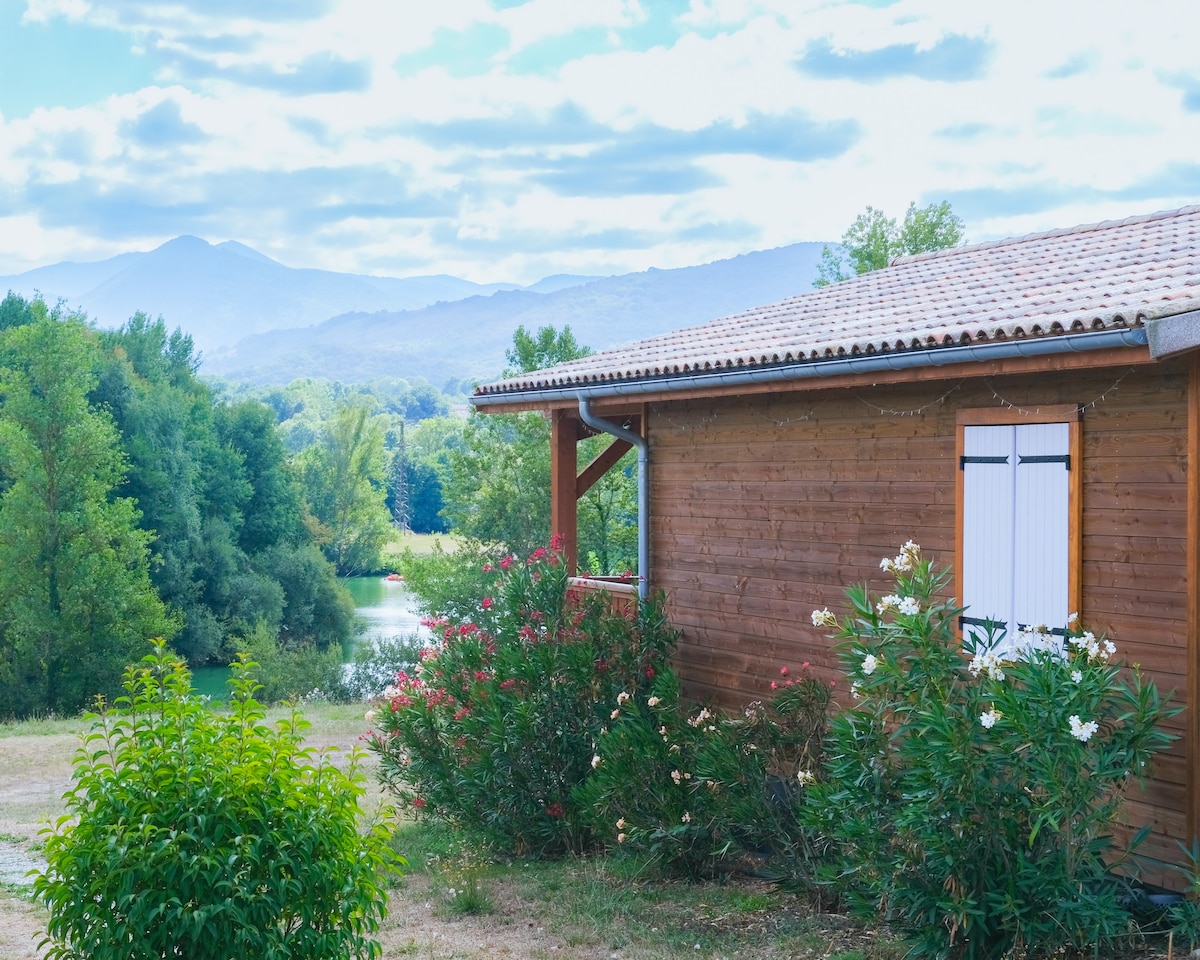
[764, 507]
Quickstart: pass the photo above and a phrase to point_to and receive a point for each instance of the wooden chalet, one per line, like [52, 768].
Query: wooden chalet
[1028, 410]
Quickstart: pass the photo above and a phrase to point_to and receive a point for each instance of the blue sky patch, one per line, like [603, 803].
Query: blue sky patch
[461, 53]
[315, 74]
[60, 64]
[162, 126]
[953, 58]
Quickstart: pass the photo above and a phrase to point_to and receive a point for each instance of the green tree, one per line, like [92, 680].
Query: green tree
[496, 479]
[496, 488]
[76, 602]
[15, 311]
[874, 240]
[215, 489]
[344, 477]
[546, 348]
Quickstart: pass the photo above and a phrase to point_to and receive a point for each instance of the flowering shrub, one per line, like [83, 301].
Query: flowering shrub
[499, 724]
[971, 798]
[687, 784]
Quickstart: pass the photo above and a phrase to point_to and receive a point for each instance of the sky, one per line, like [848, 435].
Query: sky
[507, 140]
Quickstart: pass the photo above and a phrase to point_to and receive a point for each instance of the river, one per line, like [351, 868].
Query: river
[385, 607]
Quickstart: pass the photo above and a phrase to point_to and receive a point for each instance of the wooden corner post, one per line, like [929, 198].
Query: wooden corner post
[564, 434]
[1192, 716]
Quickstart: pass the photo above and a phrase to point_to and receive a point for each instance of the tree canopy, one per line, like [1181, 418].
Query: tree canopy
[874, 240]
[76, 601]
[135, 503]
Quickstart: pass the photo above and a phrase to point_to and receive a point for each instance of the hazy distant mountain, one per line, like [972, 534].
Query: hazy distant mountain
[255, 319]
[221, 293]
[466, 339]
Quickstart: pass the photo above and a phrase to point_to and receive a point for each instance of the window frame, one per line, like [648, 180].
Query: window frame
[1067, 413]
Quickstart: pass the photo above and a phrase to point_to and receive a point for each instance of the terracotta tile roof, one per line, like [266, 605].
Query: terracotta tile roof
[1095, 277]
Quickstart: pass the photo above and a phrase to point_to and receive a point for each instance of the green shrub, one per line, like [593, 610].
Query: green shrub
[688, 785]
[971, 800]
[294, 674]
[449, 583]
[208, 836]
[500, 723]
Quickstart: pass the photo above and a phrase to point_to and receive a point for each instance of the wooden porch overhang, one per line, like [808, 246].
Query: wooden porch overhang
[567, 482]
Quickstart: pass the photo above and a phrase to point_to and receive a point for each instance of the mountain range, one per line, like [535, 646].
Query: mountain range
[255, 319]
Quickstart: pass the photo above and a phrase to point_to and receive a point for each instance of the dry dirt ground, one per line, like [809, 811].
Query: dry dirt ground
[535, 913]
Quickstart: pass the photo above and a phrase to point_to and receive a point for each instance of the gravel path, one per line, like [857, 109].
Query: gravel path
[15, 864]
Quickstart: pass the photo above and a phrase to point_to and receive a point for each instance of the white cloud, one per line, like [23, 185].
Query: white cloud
[42, 11]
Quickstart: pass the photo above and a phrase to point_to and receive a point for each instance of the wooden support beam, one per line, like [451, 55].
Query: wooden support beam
[606, 460]
[1192, 716]
[564, 429]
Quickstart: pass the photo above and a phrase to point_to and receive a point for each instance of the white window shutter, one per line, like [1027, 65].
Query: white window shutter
[1041, 536]
[988, 506]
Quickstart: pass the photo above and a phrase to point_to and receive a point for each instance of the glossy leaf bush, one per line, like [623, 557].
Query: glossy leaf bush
[209, 836]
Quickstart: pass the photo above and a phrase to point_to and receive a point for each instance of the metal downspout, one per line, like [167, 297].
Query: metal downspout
[643, 486]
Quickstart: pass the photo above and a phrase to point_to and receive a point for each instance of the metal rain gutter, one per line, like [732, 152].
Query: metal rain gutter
[815, 369]
[643, 487]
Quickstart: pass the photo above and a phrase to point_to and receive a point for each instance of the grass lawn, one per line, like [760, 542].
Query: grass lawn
[454, 903]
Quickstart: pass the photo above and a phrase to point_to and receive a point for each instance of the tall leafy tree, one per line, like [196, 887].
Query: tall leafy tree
[76, 602]
[345, 480]
[874, 240]
[217, 493]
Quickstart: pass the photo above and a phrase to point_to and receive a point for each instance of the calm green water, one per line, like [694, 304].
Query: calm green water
[386, 608]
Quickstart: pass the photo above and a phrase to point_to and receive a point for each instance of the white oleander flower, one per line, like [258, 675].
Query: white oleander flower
[890, 602]
[869, 664]
[989, 718]
[823, 618]
[1082, 731]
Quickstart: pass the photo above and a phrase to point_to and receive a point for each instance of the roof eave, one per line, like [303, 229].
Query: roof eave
[815, 372]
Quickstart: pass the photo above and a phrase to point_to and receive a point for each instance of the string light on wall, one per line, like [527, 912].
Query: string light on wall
[916, 411]
[1091, 404]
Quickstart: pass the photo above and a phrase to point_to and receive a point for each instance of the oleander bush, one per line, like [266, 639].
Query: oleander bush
[206, 835]
[970, 799]
[689, 786]
[499, 723]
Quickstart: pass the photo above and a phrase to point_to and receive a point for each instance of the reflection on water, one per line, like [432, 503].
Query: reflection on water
[386, 608]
